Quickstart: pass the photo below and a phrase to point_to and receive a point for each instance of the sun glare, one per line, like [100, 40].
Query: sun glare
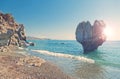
[108, 32]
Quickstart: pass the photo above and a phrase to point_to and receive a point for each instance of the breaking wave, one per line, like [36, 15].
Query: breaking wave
[65, 56]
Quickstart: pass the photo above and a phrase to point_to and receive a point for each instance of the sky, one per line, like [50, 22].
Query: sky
[58, 19]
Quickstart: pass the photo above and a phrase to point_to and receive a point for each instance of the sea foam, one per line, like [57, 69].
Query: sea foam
[84, 59]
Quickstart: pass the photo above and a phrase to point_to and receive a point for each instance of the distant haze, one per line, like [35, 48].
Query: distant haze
[58, 19]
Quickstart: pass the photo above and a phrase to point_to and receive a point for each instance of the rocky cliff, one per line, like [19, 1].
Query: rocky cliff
[11, 33]
[14, 65]
[90, 36]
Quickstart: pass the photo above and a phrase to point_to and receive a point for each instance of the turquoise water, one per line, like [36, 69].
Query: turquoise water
[104, 63]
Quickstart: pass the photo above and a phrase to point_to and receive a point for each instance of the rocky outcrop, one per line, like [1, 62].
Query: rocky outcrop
[90, 36]
[11, 33]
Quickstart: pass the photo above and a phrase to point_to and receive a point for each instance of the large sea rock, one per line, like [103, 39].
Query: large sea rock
[11, 33]
[90, 36]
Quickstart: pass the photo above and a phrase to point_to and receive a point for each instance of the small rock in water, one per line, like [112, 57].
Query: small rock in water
[90, 36]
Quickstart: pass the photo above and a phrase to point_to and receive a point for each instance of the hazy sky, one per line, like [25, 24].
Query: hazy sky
[58, 19]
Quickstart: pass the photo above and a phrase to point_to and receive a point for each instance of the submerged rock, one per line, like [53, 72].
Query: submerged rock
[11, 33]
[90, 36]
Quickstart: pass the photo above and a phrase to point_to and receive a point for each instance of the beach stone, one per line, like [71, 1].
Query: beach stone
[31, 61]
[4, 49]
[90, 36]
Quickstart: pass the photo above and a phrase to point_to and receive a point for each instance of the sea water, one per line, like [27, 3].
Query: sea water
[103, 63]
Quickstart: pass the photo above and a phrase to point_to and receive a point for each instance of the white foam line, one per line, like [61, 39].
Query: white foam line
[65, 55]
